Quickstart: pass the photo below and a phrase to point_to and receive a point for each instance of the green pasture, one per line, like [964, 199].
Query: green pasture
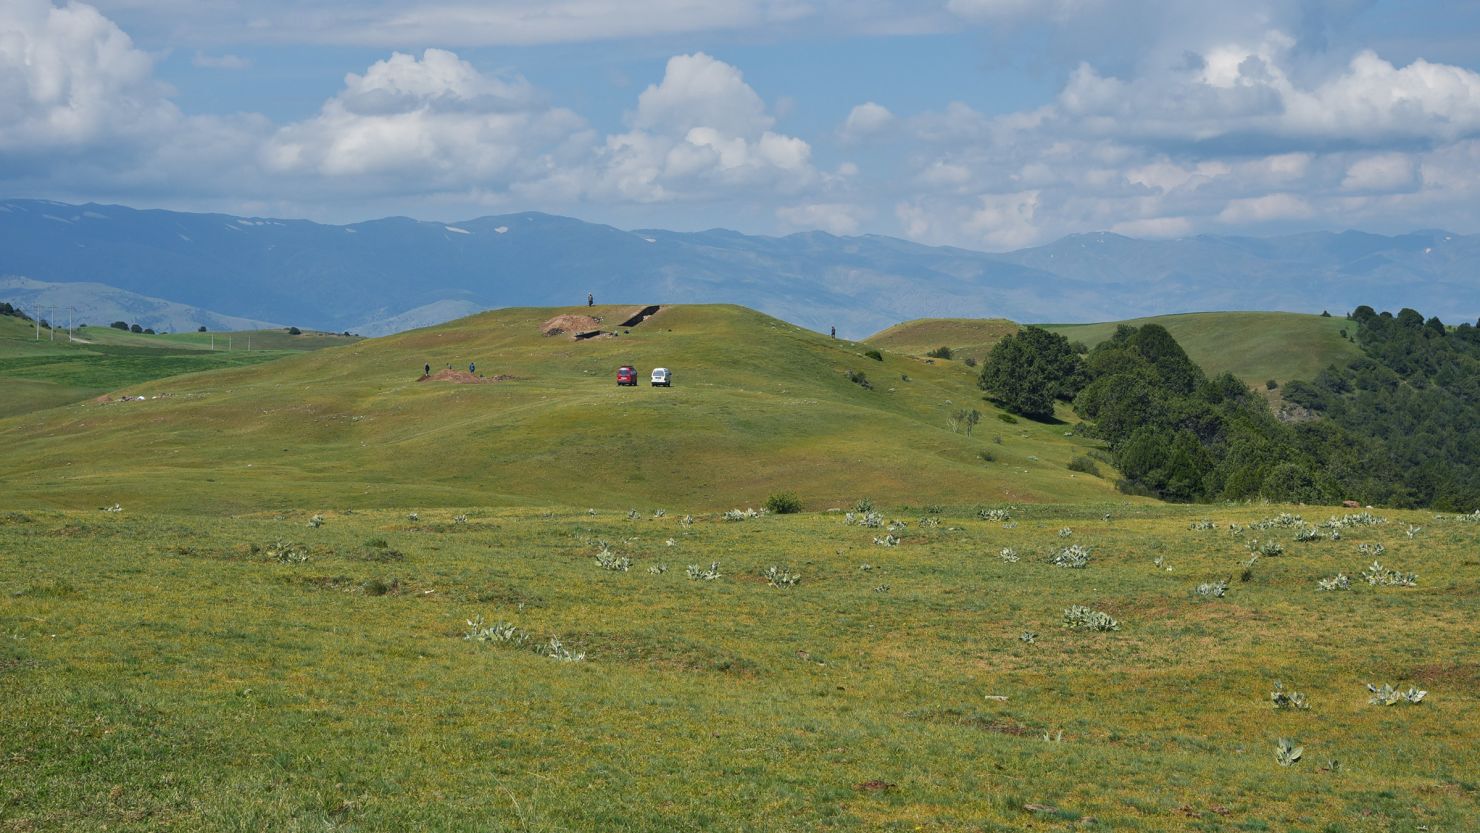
[758, 406]
[205, 671]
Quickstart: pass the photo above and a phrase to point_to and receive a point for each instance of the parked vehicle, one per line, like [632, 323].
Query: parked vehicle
[627, 375]
[662, 378]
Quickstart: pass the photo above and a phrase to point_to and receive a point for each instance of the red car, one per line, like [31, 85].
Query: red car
[627, 375]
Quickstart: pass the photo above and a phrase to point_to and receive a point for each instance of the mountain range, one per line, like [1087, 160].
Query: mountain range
[397, 273]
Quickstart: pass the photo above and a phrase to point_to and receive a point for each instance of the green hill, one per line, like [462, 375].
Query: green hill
[758, 406]
[967, 337]
[1254, 346]
[58, 369]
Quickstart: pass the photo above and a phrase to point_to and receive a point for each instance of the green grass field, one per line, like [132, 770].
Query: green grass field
[188, 672]
[758, 406]
[57, 369]
[1254, 346]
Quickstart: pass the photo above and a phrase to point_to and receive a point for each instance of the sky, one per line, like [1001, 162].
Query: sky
[986, 124]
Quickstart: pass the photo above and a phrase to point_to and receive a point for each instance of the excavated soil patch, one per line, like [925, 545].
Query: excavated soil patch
[462, 377]
[573, 324]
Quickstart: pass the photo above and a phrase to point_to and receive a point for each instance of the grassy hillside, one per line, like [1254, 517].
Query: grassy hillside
[1254, 346]
[973, 337]
[190, 672]
[56, 370]
[758, 406]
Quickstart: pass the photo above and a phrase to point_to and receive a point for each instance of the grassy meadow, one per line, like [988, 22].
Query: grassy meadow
[757, 406]
[1254, 346]
[54, 370]
[215, 672]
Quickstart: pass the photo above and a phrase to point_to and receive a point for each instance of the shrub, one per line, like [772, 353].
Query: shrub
[1085, 465]
[860, 379]
[784, 503]
[201, 328]
[940, 353]
[987, 456]
[1081, 618]
[1213, 589]
[970, 362]
[863, 506]
[1271, 384]
[1386, 695]
[874, 354]
[1074, 557]
[781, 577]
[1008, 418]
[377, 543]
[294, 331]
[1287, 699]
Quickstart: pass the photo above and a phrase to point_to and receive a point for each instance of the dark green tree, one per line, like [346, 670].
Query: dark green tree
[1029, 370]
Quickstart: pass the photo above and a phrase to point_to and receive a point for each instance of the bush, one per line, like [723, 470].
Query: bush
[784, 503]
[874, 354]
[858, 378]
[201, 328]
[1085, 465]
[294, 331]
[1008, 418]
[1271, 384]
[970, 362]
[940, 353]
[120, 325]
[135, 329]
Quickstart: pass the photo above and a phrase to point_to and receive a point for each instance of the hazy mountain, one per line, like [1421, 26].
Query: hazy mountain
[394, 273]
[97, 304]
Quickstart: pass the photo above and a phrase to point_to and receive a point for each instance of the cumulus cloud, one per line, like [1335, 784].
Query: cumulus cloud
[1383, 172]
[700, 128]
[226, 61]
[70, 78]
[433, 121]
[865, 120]
[1009, 10]
[1264, 209]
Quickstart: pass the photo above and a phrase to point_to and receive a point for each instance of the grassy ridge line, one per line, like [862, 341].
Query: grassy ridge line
[207, 685]
[49, 372]
[758, 406]
[1254, 346]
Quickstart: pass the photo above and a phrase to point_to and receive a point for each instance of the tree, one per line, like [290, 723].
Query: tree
[1030, 369]
[136, 329]
[294, 331]
[202, 329]
[120, 325]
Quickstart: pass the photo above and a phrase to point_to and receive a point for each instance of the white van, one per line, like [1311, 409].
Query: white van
[662, 378]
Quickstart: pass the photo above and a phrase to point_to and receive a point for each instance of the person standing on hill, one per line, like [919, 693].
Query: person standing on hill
[590, 299]
[428, 370]
[834, 332]
[472, 368]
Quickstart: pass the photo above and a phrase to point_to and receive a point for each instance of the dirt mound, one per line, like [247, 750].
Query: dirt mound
[462, 377]
[573, 324]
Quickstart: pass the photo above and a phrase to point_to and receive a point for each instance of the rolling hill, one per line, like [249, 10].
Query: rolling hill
[1254, 346]
[758, 406]
[58, 368]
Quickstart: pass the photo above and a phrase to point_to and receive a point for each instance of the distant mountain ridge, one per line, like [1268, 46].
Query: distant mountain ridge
[385, 275]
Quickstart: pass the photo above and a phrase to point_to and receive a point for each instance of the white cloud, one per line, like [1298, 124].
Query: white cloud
[429, 122]
[1384, 172]
[1155, 227]
[69, 78]
[865, 120]
[1009, 10]
[1264, 209]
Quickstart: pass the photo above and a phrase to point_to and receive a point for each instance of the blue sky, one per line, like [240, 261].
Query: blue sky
[989, 124]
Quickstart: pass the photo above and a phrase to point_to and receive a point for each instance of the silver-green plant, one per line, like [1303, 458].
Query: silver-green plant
[1286, 752]
[687, 520]
[994, 514]
[633, 514]
[413, 517]
[1374, 550]
[1282, 520]
[1336, 582]
[1267, 548]
[1074, 557]
[781, 577]
[316, 521]
[555, 649]
[1009, 555]
[117, 507]
[497, 633]
[889, 540]
[1308, 533]
[1386, 695]
[863, 506]
[287, 552]
[1283, 699]
[659, 513]
[608, 560]
[1081, 618]
[459, 519]
[1380, 576]
[1065, 532]
[741, 514]
[698, 573]
[1028, 636]
[1413, 531]
[1203, 524]
[1213, 589]
[658, 569]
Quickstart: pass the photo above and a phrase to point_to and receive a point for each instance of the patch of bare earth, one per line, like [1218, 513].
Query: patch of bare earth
[570, 324]
[462, 377]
